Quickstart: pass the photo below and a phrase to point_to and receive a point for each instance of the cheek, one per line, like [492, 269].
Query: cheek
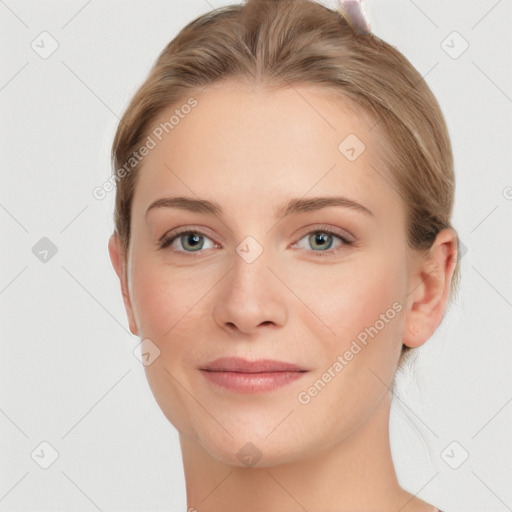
[351, 296]
[362, 303]
[169, 303]
[169, 311]
[355, 366]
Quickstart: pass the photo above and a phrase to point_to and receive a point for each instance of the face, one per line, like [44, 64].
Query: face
[322, 286]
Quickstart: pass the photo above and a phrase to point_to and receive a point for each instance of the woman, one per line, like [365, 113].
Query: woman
[262, 130]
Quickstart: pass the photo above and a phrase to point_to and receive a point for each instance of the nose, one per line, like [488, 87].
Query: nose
[251, 297]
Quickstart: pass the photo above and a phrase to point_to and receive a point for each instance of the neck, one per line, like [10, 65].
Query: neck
[355, 475]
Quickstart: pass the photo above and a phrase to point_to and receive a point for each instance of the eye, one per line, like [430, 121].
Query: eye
[187, 239]
[322, 241]
[193, 241]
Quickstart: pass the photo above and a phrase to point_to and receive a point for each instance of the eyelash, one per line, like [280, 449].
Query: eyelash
[169, 238]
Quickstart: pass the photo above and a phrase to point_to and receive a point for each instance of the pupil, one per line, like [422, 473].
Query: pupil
[194, 237]
[320, 238]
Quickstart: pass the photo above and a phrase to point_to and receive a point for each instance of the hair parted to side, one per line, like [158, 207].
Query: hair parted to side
[279, 43]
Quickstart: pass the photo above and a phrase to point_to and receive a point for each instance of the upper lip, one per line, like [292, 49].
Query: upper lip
[241, 365]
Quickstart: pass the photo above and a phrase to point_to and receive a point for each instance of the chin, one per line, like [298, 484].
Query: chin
[246, 451]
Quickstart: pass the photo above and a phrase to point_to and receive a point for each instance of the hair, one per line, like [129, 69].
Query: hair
[282, 43]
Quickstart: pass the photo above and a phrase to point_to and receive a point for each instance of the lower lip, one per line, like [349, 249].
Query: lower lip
[252, 382]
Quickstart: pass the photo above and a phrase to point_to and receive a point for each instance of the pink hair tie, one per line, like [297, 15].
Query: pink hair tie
[354, 12]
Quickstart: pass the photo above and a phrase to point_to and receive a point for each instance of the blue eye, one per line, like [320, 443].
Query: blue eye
[323, 240]
[188, 238]
[192, 241]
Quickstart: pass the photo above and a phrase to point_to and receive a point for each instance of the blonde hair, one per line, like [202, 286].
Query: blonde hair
[281, 43]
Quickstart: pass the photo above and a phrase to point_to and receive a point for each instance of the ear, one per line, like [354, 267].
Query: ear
[430, 289]
[118, 262]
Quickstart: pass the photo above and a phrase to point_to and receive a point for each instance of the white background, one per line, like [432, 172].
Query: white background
[68, 375]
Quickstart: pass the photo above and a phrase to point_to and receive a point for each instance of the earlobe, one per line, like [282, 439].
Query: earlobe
[430, 289]
[117, 258]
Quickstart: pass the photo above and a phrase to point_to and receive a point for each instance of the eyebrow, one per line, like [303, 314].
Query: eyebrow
[293, 206]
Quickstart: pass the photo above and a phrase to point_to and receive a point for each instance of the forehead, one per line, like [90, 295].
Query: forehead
[256, 148]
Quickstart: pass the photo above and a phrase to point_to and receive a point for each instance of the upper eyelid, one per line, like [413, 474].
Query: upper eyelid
[181, 230]
[331, 230]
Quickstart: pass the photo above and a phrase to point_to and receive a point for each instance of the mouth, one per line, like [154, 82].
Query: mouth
[238, 364]
[243, 376]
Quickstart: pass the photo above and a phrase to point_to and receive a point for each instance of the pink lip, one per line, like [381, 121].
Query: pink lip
[238, 364]
[240, 375]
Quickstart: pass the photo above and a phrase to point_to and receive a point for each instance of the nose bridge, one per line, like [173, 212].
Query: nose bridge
[250, 265]
[250, 296]
[250, 250]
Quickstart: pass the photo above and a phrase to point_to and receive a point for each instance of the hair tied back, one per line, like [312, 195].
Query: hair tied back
[354, 13]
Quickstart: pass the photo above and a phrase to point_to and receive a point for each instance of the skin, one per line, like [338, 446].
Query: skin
[251, 151]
